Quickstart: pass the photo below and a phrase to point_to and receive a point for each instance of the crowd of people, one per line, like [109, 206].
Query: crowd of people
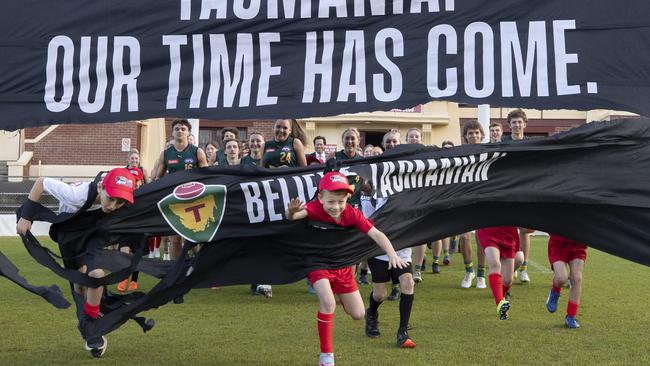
[342, 200]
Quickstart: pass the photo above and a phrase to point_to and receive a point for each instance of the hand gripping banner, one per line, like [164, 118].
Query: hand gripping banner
[590, 184]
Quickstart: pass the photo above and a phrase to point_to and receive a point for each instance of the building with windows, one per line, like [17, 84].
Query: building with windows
[80, 151]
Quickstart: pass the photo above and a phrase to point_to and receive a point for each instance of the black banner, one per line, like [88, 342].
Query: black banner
[76, 61]
[601, 197]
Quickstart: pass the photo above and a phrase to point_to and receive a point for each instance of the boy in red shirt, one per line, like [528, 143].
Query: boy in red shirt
[563, 252]
[332, 207]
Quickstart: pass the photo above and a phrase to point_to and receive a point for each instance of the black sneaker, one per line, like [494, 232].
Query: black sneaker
[265, 290]
[403, 339]
[394, 293]
[435, 268]
[97, 346]
[372, 325]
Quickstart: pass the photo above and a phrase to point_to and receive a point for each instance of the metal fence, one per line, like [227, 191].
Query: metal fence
[13, 194]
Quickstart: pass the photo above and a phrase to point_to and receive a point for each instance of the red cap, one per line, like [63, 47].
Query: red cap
[335, 181]
[137, 173]
[119, 183]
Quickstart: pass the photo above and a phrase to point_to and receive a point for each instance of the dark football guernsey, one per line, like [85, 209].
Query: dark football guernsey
[181, 160]
[280, 154]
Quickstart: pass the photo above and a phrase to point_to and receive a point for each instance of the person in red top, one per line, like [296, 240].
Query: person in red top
[137, 174]
[500, 245]
[332, 207]
[563, 252]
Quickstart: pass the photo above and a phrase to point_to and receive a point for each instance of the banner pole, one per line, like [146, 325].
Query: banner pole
[484, 120]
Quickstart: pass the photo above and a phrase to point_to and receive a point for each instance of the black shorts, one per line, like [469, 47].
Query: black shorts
[381, 273]
[75, 260]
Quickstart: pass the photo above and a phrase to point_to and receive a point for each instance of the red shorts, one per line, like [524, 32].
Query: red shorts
[504, 238]
[341, 280]
[565, 250]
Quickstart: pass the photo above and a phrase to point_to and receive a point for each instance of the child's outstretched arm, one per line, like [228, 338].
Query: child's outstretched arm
[296, 210]
[24, 225]
[384, 243]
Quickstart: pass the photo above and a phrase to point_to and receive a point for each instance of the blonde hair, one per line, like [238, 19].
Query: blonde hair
[351, 129]
[392, 131]
[413, 129]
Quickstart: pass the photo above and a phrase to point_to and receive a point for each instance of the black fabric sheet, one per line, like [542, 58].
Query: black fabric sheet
[76, 61]
[589, 184]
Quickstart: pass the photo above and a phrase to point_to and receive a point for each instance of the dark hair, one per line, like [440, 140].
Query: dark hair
[296, 130]
[447, 142]
[239, 144]
[234, 130]
[182, 122]
[472, 125]
[216, 146]
[496, 124]
[517, 113]
[319, 138]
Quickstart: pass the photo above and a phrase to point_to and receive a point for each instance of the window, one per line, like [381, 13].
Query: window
[214, 134]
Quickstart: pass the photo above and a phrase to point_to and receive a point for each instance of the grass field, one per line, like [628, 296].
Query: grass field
[451, 325]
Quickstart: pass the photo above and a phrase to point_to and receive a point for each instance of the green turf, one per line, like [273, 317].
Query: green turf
[451, 325]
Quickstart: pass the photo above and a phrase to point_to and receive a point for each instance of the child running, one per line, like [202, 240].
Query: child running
[332, 207]
[563, 252]
[110, 194]
[500, 245]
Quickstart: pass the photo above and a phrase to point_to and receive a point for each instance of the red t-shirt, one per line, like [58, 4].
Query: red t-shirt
[349, 217]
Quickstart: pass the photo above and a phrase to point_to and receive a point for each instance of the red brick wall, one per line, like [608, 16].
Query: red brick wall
[32, 132]
[91, 144]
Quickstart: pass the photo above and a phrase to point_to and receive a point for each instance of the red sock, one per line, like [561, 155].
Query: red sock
[557, 288]
[572, 309]
[506, 289]
[496, 284]
[325, 331]
[91, 310]
[152, 244]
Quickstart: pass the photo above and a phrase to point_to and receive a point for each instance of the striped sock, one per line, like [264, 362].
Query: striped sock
[524, 266]
[480, 271]
[469, 267]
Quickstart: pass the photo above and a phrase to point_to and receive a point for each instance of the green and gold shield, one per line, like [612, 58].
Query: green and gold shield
[194, 210]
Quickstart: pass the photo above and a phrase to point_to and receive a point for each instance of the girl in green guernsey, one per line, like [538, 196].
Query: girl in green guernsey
[351, 140]
[256, 145]
[287, 149]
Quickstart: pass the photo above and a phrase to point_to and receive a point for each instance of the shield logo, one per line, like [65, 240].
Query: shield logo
[194, 210]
